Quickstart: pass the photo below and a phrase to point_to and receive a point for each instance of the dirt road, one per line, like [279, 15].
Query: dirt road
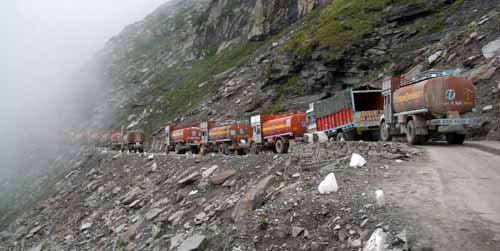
[451, 199]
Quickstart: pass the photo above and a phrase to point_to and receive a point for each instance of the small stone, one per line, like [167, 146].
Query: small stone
[296, 175]
[337, 227]
[155, 231]
[491, 49]
[221, 177]
[176, 217]
[487, 108]
[116, 190]
[153, 213]
[154, 166]
[196, 242]
[434, 57]
[296, 231]
[364, 222]
[355, 243]
[134, 204]
[85, 226]
[189, 179]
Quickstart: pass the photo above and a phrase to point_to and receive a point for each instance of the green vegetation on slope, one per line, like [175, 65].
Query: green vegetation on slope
[187, 92]
[338, 25]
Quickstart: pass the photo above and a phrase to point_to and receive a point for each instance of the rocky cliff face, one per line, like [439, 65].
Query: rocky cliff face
[167, 49]
[191, 60]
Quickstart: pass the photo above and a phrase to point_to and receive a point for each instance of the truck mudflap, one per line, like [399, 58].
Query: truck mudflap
[453, 122]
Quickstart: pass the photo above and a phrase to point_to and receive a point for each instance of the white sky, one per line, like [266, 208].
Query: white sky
[44, 41]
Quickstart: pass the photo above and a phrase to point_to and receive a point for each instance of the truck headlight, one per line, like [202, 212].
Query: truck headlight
[242, 141]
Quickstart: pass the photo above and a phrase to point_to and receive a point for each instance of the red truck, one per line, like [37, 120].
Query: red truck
[182, 139]
[350, 114]
[118, 140]
[276, 131]
[135, 141]
[225, 138]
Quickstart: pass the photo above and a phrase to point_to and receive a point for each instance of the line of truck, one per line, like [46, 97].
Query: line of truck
[420, 107]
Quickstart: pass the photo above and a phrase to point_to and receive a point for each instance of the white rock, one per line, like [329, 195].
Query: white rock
[376, 241]
[328, 185]
[357, 160]
[491, 49]
[154, 167]
[151, 157]
[379, 195]
[209, 171]
[320, 137]
[434, 57]
[487, 108]
[85, 226]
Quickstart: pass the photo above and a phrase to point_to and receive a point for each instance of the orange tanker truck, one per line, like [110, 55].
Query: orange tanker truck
[117, 140]
[135, 141]
[225, 138]
[276, 131]
[182, 139]
[426, 106]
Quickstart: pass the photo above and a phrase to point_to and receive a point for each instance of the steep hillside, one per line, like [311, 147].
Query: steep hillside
[229, 59]
[167, 64]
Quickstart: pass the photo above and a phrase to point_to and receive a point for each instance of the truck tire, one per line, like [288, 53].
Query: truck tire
[341, 137]
[222, 149]
[254, 148]
[195, 150]
[411, 134]
[455, 138]
[178, 149]
[279, 146]
[385, 134]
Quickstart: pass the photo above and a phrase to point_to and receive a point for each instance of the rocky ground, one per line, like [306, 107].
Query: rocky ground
[115, 201]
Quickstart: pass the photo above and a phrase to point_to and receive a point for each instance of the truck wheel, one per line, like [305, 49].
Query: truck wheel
[385, 134]
[411, 134]
[178, 149]
[222, 149]
[455, 138]
[341, 137]
[195, 150]
[279, 146]
[254, 149]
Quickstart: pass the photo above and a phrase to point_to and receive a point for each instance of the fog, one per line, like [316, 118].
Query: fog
[43, 45]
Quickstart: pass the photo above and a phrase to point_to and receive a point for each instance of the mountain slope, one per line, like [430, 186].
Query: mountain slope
[193, 60]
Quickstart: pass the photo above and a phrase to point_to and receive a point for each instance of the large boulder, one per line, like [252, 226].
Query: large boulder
[253, 198]
[491, 49]
[196, 242]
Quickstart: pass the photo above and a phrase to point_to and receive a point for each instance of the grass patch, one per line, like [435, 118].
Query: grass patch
[187, 93]
[338, 25]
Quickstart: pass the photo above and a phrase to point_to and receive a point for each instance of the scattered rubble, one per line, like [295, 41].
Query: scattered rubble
[255, 202]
